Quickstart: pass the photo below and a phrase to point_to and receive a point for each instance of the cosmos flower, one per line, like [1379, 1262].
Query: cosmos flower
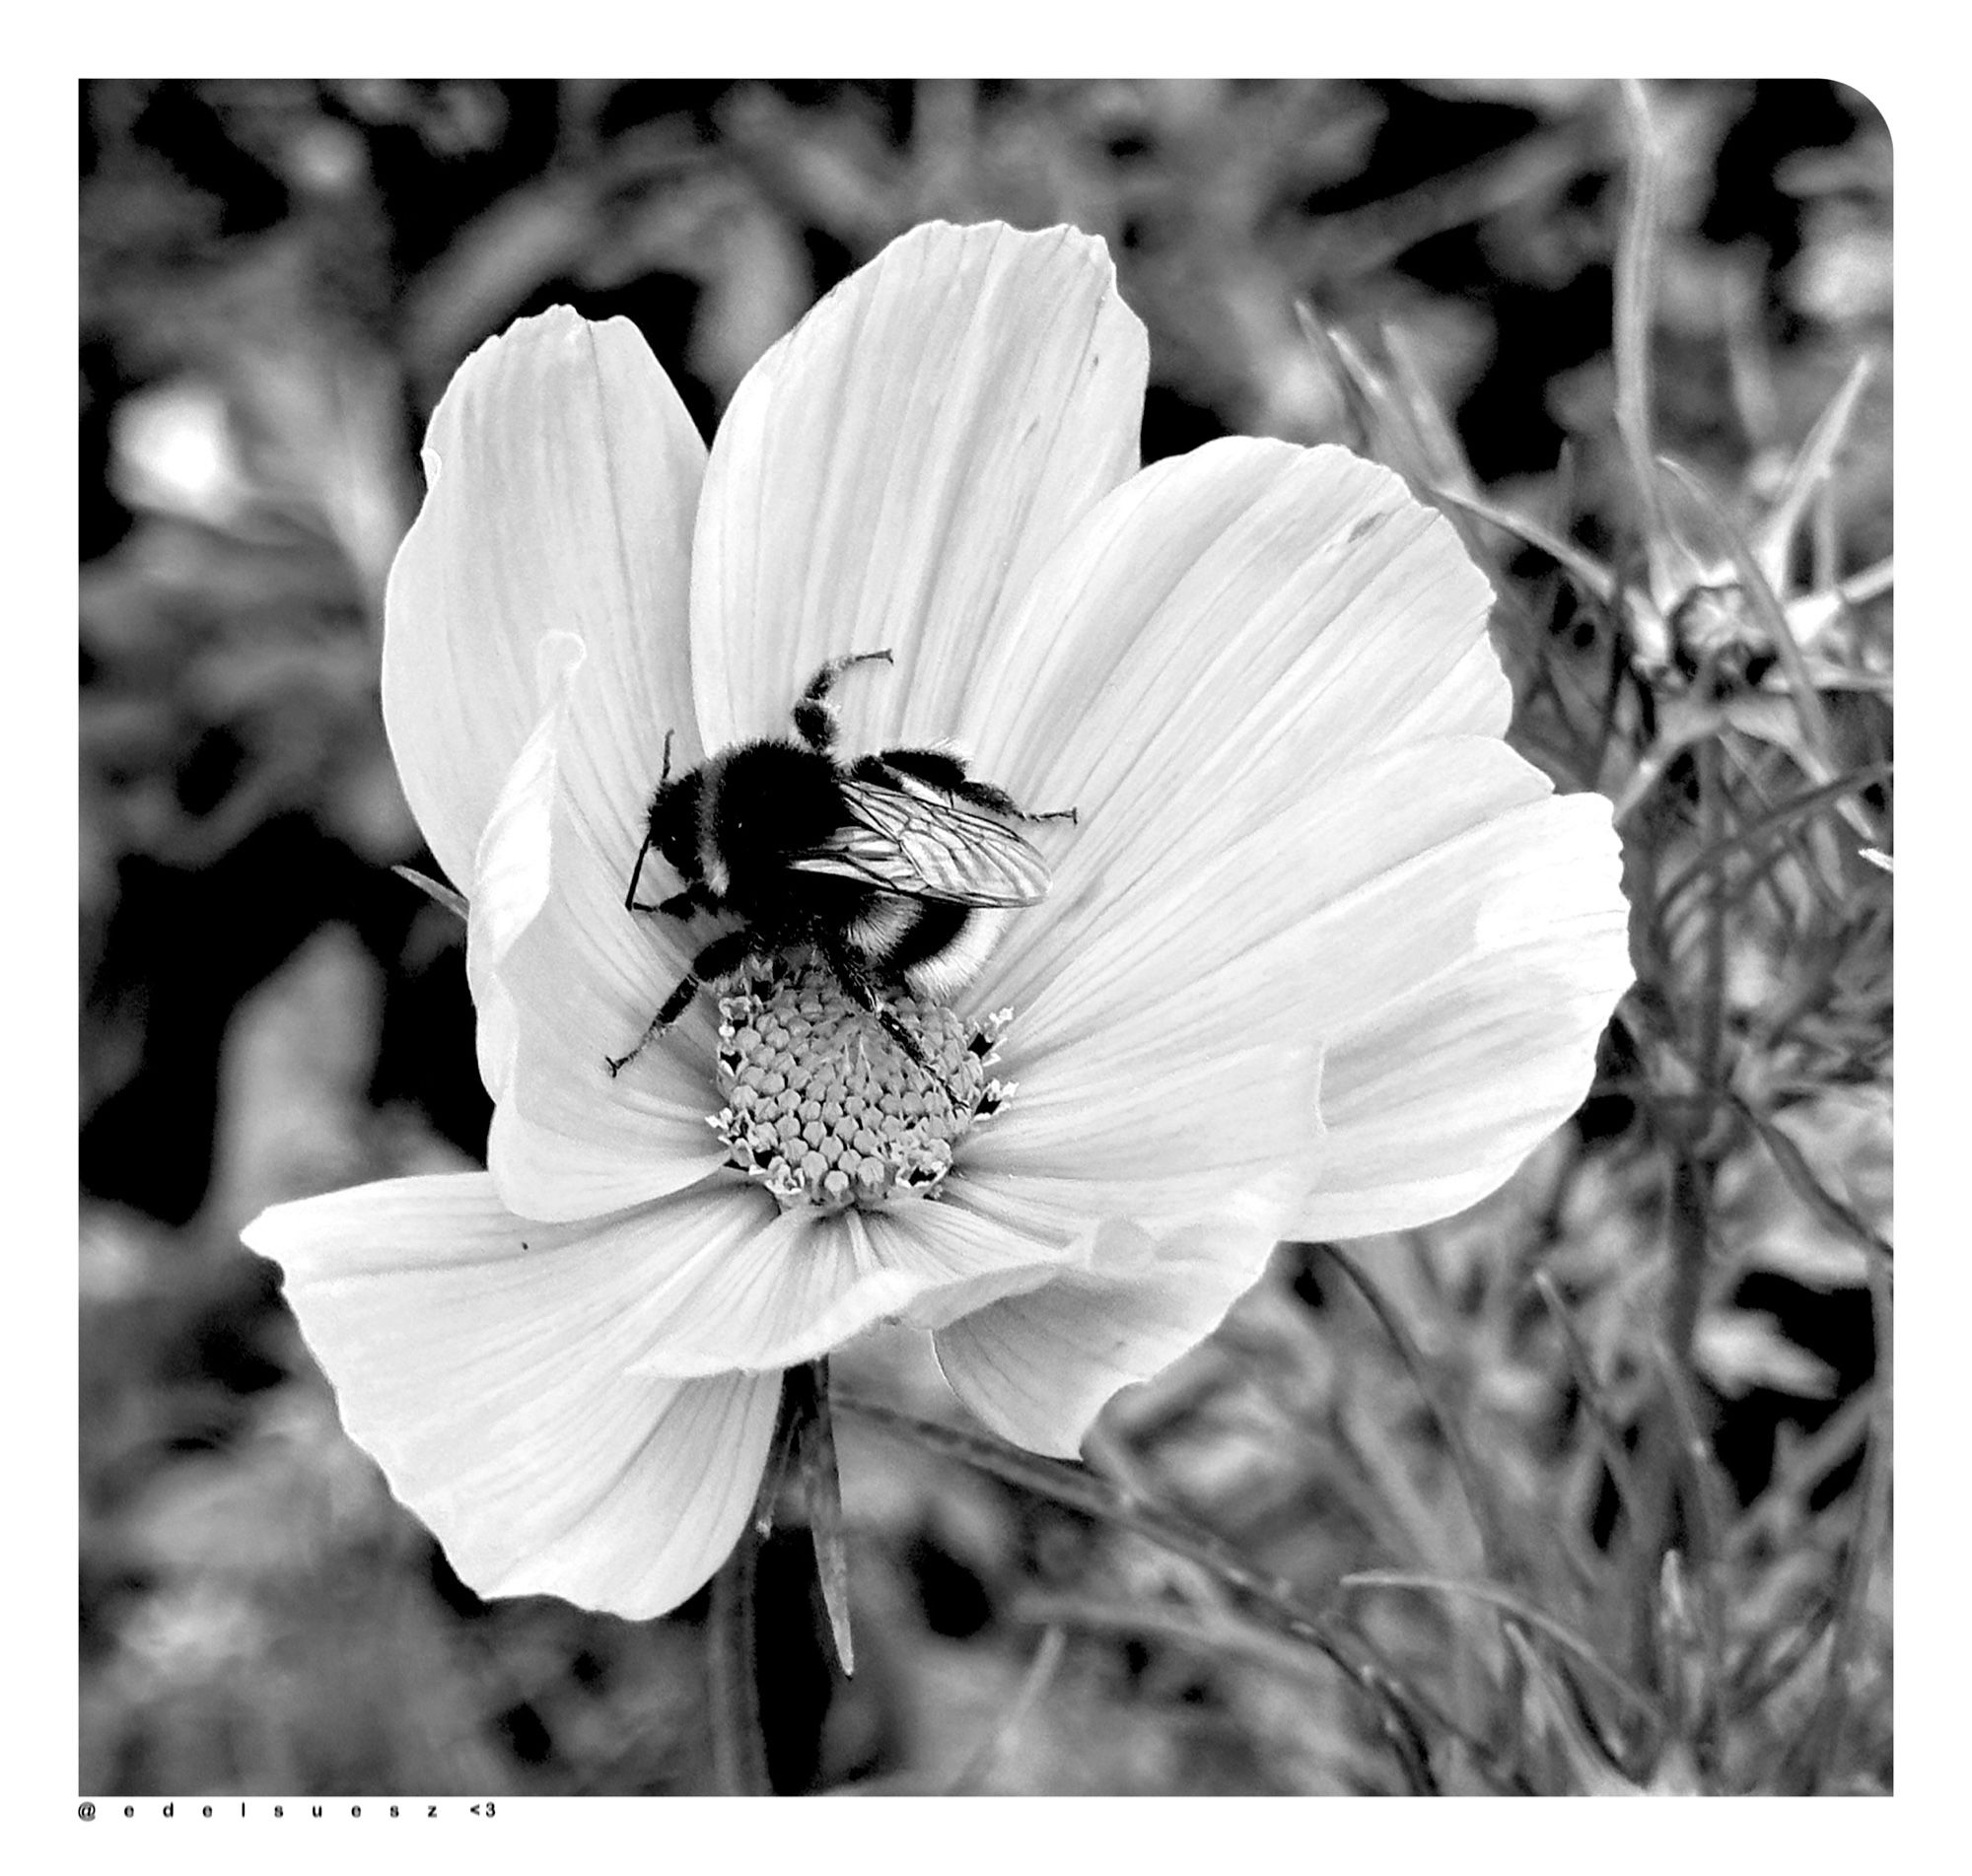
[1322, 956]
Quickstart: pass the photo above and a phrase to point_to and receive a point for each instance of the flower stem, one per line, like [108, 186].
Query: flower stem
[739, 1748]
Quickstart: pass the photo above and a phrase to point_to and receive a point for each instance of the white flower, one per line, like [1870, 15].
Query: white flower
[1323, 956]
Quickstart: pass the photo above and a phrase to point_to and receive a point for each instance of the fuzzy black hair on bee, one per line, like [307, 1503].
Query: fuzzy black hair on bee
[896, 869]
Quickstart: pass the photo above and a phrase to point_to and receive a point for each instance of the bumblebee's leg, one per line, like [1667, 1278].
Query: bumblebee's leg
[856, 979]
[726, 952]
[815, 722]
[942, 770]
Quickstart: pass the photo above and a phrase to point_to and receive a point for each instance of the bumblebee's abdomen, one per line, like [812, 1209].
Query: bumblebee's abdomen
[933, 927]
[930, 946]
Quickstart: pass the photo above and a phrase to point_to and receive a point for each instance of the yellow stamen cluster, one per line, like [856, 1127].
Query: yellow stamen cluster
[822, 1105]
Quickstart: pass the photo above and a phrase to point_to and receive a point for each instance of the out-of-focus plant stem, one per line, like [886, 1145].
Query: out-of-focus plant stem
[733, 1682]
[1696, 1148]
[1273, 1600]
[1490, 1519]
[1635, 276]
[977, 1771]
[1674, 1509]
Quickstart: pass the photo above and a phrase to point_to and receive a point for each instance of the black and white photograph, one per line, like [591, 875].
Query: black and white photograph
[1011, 938]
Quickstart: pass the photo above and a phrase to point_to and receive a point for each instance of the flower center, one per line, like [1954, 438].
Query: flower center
[824, 1107]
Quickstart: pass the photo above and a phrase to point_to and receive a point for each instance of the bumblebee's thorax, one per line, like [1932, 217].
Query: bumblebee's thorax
[760, 803]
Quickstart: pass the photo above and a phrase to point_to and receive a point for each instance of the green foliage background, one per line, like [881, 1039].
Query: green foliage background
[1590, 1484]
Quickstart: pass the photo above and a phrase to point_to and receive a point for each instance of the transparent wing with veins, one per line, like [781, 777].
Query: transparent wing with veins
[927, 847]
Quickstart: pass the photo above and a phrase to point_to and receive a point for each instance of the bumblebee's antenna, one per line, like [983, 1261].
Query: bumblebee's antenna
[637, 872]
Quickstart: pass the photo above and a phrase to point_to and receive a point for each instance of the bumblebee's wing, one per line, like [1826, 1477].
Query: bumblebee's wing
[928, 847]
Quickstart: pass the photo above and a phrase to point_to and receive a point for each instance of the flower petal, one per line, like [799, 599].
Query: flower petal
[1219, 637]
[1308, 617]
[1449, 936]
[486, 1364]
[1245, 757]
[1326, 638]
[1138, 1125]
[1471, 987]
[565, 978]
[890, 474]
[510, 878]
[806, 1284]
[564, 479]
[1299, 595]
[1037, 1369]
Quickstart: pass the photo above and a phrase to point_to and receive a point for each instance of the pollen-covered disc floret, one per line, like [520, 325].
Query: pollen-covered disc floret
[825, 1108]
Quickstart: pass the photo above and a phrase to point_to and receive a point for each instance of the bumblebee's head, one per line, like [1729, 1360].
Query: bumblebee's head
[675, 822]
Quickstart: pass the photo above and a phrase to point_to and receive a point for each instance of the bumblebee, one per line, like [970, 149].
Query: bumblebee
[896, 869]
